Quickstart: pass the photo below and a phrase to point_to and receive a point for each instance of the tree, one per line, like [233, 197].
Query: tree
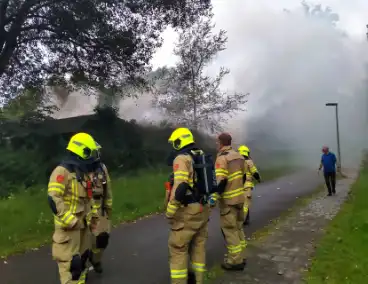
[29, 107]
[92, 40]
[185, 93]
[317, 11]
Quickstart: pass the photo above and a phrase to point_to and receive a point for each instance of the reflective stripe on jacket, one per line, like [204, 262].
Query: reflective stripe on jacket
[230, 166]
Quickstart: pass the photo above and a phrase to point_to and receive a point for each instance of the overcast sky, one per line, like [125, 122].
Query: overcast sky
[353, 18]
[291, 65]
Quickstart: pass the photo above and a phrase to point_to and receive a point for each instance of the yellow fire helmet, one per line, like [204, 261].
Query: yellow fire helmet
[84, 146]
[244, 150]
[180, 138]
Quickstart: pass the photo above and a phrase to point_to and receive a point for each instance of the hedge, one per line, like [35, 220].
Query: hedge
[127, 146]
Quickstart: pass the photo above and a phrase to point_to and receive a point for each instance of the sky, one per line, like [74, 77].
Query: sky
[353, 19]
[291, 65]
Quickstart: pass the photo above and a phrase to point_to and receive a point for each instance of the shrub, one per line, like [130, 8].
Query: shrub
[127, 146]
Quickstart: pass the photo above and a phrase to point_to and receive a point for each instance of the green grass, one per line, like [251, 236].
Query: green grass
[26, 220]
[341, 256]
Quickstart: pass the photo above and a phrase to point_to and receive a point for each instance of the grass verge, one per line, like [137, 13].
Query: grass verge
[341, 255]
[26, 220]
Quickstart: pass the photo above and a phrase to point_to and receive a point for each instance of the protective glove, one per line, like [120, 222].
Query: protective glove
[213, 199]
[212, 202]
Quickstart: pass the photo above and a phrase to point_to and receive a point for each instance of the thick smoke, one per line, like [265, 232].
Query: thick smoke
[292, 64]
[77, 103]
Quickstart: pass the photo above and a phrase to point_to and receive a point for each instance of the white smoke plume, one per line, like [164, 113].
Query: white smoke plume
[77, 103]
[292, 65]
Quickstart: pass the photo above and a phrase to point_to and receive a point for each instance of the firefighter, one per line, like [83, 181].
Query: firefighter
[251, 172]
[187, 212]
[70, 199]
[102, 207]
[229, 174]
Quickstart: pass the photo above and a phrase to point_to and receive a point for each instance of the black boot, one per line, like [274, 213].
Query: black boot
[233, 267]
[191, 278]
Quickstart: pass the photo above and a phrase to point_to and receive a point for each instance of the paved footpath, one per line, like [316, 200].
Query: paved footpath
[138, 252]
[285, 254]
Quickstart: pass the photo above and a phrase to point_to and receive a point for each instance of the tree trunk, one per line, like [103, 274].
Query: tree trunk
[194, 98]
[195, 122]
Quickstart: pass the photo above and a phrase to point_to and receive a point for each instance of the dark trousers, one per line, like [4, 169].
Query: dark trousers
[330, 179]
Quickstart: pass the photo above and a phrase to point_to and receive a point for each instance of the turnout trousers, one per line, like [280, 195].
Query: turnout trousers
[99, 241]
[248, 201]
[70, 250]
[231, 220]
[187, 243]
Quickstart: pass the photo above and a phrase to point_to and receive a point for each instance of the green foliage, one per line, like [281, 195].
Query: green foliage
[94, 40]
[28, 107]
[29, 157]
[341, 256]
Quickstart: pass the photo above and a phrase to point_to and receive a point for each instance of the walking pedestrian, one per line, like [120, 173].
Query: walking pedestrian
[328, 163]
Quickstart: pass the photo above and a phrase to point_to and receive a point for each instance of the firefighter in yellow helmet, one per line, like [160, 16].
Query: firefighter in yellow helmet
[251, 173]
[229, 174]
[102, 209]
[70, 199]
[187, 211]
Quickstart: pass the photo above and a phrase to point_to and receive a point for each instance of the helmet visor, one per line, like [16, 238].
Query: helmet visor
[90, 154]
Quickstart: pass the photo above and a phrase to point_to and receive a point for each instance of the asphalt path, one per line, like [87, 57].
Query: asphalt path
[138, 253]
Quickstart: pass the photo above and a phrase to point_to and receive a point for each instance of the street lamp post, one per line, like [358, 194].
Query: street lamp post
[337, 133]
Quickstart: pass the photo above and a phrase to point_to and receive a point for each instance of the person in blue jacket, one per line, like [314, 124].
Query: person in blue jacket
[328, 163]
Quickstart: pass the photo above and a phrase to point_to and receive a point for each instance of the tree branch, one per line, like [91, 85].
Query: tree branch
[3, 7]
